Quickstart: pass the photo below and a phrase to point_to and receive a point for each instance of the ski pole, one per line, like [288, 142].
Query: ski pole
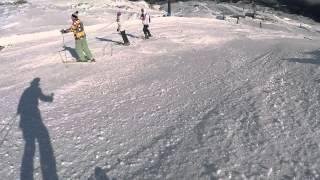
[111, 49]
[8, 129]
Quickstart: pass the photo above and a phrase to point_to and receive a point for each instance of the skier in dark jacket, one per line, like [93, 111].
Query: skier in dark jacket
[82, 49]
[122, 30]
[145, 18]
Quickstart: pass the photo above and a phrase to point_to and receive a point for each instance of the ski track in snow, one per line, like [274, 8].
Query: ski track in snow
[202, 99]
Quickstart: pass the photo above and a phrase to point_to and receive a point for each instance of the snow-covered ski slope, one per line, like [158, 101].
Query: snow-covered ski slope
[202, 99]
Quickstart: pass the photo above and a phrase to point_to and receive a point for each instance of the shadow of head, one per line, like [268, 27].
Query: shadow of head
[210, 170]
[35, 82]
[314, 58]
[100, 174]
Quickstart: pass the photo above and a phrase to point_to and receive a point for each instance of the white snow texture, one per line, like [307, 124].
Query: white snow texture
[201, 99]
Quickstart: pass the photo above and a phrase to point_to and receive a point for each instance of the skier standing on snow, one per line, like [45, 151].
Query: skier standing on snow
[122, 30]
[145, 17]
[82, 49]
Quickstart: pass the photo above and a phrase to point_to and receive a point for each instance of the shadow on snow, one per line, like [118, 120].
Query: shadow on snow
[315, 58]
[72, 51]
[109, 40]
[100, 174]
[34, 130]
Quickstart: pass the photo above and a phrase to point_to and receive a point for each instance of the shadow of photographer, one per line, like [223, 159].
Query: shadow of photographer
[34, 130]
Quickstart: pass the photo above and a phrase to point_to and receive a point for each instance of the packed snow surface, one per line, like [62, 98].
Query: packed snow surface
[202, 99]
